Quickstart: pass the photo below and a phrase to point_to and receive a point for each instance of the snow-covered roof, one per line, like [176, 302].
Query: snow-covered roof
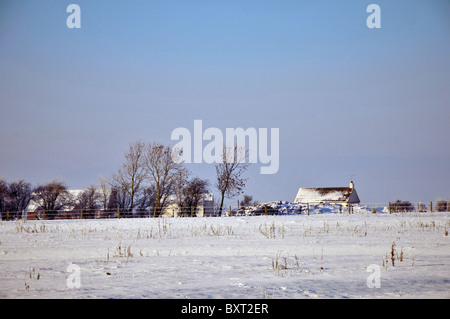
[327, 194]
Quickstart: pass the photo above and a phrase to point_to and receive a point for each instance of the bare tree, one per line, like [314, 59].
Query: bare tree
[105, 193]
[441, 205]
[146, 200]
[52, 197]
[161, 173]
[119, 197]
[132, 172]
[88, 200]
[193, 192]
[19, 194]
[403, 206]
[248, 201]
[3, 195]
[180, 182]
[230, 182]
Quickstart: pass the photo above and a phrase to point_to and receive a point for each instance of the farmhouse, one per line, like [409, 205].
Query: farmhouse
[205, 207]
[332, 195]
[35, 211]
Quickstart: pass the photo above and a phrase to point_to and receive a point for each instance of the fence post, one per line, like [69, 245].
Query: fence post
[307, 205]
[431, 207]
[118, 212]
[7, 215]
[81, 213]
[265, 209]
[43, 214]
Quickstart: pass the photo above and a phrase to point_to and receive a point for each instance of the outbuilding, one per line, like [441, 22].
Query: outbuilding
[332, 195]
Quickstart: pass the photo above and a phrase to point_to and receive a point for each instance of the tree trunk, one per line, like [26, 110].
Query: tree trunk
[221, 204]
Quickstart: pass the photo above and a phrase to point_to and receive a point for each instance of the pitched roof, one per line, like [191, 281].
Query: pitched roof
[327, 194]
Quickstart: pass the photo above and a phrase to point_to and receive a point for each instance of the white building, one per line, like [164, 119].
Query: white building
[204, 208]
[331, 195]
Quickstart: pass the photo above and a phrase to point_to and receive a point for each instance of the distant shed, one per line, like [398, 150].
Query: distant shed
[332, 195]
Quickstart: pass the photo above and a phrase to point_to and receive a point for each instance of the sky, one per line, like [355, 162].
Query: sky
[350, 102]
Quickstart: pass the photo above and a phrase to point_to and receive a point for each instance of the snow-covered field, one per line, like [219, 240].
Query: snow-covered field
[327, 255]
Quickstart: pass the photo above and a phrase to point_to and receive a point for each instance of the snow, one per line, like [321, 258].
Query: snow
[288, 208]
[323, 255]
[323, 194]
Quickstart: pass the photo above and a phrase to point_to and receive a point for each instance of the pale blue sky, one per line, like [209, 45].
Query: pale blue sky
[348, 100]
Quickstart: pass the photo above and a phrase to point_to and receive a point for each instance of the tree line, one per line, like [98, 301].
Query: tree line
[147, 181]
[151, 175]
[440, 205]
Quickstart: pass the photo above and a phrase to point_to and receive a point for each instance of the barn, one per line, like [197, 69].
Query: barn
[331, 195]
